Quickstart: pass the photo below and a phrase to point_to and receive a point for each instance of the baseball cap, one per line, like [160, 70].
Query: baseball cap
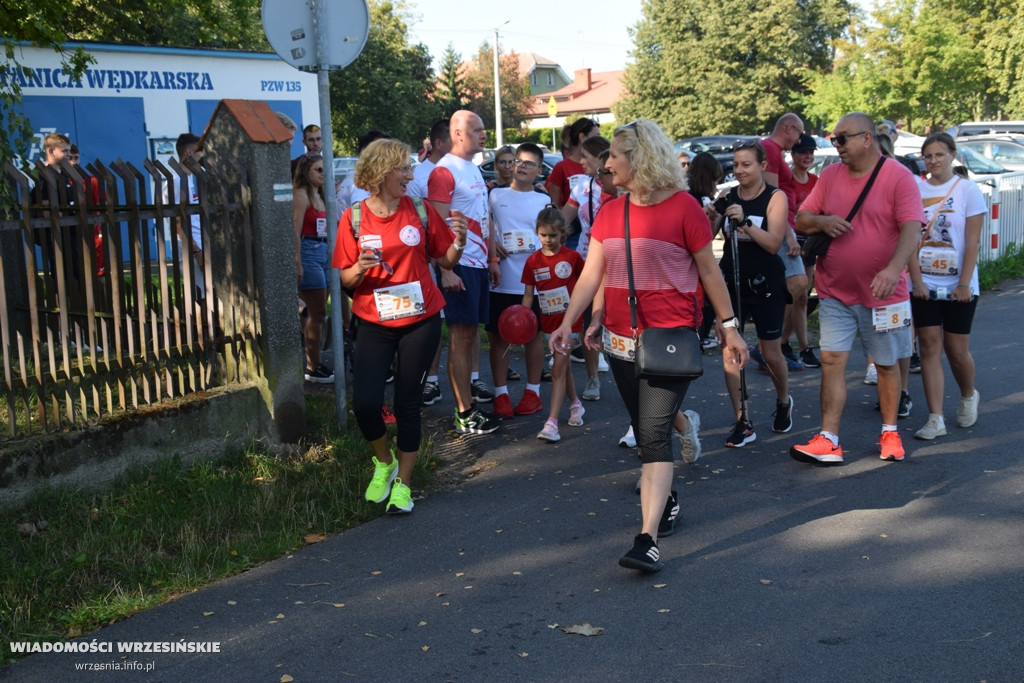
[805, 144]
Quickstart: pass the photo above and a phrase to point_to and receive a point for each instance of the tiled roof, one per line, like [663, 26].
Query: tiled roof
[604, 90]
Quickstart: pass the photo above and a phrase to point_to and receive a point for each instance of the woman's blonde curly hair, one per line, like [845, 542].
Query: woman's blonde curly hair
[378, 159]
[650, 153]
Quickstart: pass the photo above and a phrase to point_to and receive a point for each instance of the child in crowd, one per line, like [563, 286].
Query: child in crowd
[552, 272]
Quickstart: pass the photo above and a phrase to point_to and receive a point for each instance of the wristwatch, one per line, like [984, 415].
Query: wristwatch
[732, 322]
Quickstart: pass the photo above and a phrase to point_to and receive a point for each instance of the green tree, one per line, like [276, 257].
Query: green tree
[450, 94]
[235, 24]
[727, 67]
[515, 91]
[389, 87]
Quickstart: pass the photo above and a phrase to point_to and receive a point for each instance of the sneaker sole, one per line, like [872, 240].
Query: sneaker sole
[395, 510]
[549, 439]
[929, 437]
[484, 399]
[694, 420]
[750, 439]
[320, 380]
[824, 460]
[529, 412]
[632, 563]
[432, 401]
[892, 458]
[476, 430]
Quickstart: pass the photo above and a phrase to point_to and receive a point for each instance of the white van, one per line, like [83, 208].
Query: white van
[987, 128]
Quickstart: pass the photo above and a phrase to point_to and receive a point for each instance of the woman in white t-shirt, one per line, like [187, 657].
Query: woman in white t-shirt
[945, 282]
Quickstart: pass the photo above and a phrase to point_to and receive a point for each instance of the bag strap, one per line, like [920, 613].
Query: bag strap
[357, 212]
[422, 211]
[864, 192]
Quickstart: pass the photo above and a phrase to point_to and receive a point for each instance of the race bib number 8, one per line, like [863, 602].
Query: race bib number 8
[892, 317]
[400, 301]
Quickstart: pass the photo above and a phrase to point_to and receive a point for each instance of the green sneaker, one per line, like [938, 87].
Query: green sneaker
[380, 484]
[401, 499]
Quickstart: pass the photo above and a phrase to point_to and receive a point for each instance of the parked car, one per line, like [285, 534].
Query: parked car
[343, 166]
[1005, 150]
[489, 174]
[721, 146]
[987, 128]
[977, 165]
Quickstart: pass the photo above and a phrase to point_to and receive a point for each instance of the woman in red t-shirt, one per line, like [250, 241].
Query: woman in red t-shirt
[670, 242]
[383, 250]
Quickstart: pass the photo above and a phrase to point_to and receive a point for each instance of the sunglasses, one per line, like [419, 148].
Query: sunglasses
[603, 172]
[840, 140]
[318, 169]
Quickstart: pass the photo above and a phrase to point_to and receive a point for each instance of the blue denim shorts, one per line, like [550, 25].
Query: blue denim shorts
[840, 323]
[315, 264]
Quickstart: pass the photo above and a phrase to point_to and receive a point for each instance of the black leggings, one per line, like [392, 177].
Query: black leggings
[375, 349]
[652, 406]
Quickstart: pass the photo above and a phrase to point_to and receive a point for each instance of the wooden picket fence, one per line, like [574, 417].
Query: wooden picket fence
[99, 312]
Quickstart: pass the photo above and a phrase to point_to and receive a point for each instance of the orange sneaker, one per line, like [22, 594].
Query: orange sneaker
[529, 403]
[819, 451]
[503, 407]
[892, 446]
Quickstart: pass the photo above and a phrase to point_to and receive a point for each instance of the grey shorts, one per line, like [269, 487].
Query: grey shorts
[840, 324]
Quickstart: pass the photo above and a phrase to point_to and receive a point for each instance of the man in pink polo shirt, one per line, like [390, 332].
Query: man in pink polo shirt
[862, 281]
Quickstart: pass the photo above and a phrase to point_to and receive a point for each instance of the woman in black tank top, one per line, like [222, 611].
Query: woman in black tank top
[758, 213]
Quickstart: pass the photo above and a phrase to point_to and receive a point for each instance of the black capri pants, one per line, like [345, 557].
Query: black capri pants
[652, 406]
[376, 346]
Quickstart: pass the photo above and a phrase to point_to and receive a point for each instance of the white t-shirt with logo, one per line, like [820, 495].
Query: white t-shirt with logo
[950, 225]
[514, 221]
[457, 182]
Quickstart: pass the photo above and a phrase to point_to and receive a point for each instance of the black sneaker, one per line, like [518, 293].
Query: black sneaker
[644, 555]
[481, 394]
[789, 353]
[576, 355]
[321, 375]
[742, 434]
[915, 364]
[667, 526]
[905, 404]
[477, 422]
[809, 359]
[431, 393]
[783, 415]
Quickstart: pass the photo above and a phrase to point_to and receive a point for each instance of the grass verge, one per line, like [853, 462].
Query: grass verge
[76, 560]
[1009, 266]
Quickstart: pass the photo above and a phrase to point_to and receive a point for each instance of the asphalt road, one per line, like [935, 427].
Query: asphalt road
[778, 572]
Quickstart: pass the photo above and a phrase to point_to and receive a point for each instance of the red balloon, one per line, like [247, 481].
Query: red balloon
[517, 324]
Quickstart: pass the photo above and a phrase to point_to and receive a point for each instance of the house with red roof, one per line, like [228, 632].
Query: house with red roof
[590, 94]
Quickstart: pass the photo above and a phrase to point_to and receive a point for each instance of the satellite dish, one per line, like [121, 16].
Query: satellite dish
[292, 31]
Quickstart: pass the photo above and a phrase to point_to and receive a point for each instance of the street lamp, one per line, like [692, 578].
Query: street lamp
[497, 92]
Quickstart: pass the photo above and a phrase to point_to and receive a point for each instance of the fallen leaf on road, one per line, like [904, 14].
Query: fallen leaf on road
[766, 582]
[475, 631]
[232, 602]
[660, 585]
[286, 679]
[584, 629]
[206, 614]
[314, 538]
[524, 654]
[422, 623]
[338, 604]
[664, 611]
[425, 648]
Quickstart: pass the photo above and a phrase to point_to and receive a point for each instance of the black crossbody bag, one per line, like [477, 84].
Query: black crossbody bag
[671, 353]
[818, 243]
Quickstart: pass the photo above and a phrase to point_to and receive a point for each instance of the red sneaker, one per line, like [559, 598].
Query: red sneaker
[819, 451]
[892, 446]
[529, 403]
[503, 406]
[389, 417]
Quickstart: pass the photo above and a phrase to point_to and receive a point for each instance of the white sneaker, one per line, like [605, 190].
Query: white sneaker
[576, 411]
[967, 411]
[628, 440]
[602, 364]
[871, 376]
[593, 390]
[549, 433]
[689, 441]
[935, 426]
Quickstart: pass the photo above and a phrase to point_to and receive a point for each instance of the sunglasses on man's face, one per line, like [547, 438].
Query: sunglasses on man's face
[841, 139]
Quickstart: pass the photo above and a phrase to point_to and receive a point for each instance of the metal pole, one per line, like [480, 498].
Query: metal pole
[498, 137]
[337, 334]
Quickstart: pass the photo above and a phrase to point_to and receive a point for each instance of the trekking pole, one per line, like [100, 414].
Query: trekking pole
[734, 241]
